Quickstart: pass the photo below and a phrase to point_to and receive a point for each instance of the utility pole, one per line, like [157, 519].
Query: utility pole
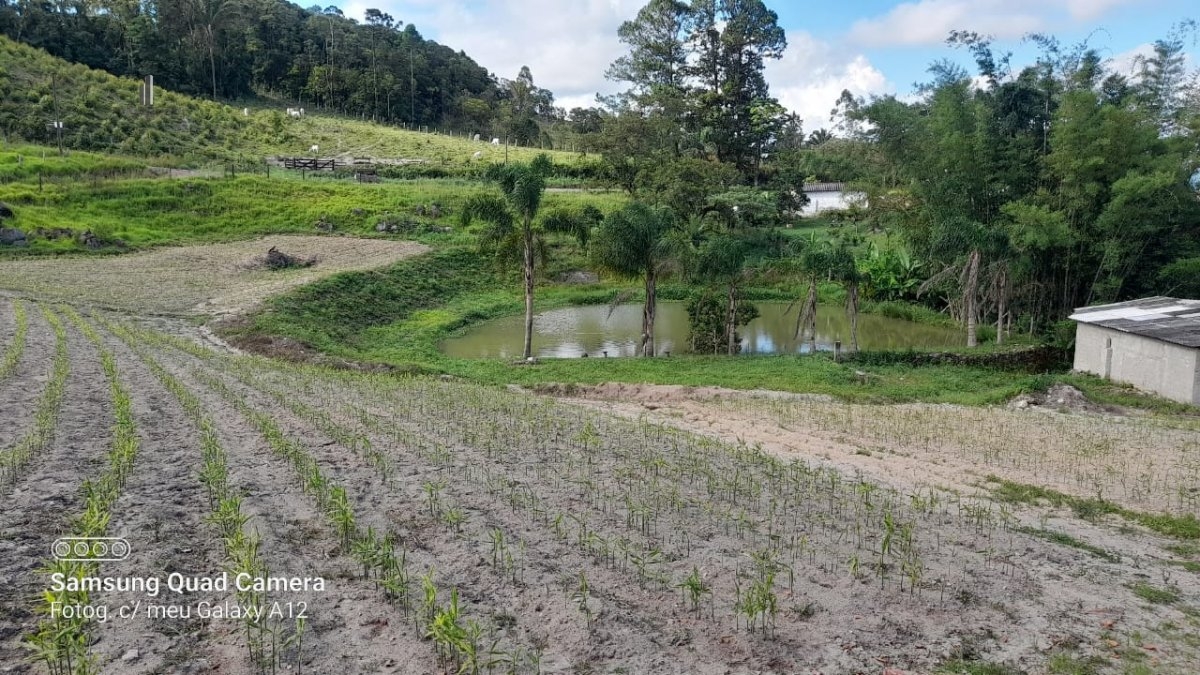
[58, 125]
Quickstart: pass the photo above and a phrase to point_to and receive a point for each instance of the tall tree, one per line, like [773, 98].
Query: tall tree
[636, 242]
[511, 222]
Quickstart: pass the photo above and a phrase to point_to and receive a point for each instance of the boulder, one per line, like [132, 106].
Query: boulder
[11, 236]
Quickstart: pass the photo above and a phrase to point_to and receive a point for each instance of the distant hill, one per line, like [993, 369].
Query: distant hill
[101, 112]
[317, 59]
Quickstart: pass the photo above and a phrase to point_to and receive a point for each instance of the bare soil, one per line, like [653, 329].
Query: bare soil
[628, 488]
[210, 280]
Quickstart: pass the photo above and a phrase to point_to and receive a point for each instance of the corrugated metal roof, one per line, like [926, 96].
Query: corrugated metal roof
[824, 187]
[1167, 319]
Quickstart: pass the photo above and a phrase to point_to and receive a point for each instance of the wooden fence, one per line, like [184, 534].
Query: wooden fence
[309, 163]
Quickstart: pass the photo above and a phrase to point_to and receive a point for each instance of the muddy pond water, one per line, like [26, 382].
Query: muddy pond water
[574, 331]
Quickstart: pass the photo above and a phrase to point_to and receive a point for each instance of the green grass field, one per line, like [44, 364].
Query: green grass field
[155, 212]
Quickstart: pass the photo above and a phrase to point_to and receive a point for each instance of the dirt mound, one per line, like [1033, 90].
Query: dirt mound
[278, 260]
[1061, 398]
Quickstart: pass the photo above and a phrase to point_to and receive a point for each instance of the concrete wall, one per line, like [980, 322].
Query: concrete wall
[825, 201]
[1162, 368]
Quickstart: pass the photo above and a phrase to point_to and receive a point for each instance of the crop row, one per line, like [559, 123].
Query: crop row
[60, 640]
[266, 639]
[460, 643]
[12, 353]
[535, 455]
[45, 417]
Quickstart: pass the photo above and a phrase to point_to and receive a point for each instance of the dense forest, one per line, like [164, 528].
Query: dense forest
[1009, 195]
[316, 58]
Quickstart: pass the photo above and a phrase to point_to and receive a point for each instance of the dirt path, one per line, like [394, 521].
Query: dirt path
[214, 280]
[40, 506]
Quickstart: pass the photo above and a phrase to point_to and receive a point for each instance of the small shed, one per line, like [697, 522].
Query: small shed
[830, 197]
[1152, 343]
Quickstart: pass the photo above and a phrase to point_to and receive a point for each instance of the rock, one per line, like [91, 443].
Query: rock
[11, 236]
[131, 655]
[580, 277]
[381, 227]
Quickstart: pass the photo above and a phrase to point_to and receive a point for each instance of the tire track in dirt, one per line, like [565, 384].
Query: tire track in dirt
[160, 512]
[19, 393]
[350, 627]
[42, 502]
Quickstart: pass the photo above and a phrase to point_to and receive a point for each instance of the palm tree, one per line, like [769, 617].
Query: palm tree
[722, 259]
[819, 137]
[510, 220]
[843, 268]
[636, 242]
[966, 244]
[813, 264]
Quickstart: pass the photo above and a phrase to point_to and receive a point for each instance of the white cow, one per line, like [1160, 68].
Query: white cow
[476, 138]
[477, 155]
[314, 149]
[495, 141]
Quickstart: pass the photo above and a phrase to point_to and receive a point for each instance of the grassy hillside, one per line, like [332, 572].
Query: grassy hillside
[101, 112]
[29, 162]
[153, 212]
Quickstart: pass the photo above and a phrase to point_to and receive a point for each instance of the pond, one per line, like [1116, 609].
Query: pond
[575, 331]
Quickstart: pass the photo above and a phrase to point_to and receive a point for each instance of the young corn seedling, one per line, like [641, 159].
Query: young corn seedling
[580, 597]
[694, 589]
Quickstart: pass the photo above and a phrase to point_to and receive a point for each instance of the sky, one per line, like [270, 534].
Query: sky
[869, 47]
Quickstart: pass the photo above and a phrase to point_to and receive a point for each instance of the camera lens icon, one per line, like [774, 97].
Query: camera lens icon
[62, 549]
[99, 549]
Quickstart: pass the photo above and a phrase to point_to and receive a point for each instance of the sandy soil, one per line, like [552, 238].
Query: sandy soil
[212, 280]
[39, 506]
[564, 483]
[20, 391]
[943, 446]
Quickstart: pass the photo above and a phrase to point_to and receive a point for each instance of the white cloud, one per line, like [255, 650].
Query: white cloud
[1087, 10]
[1126, 63]
[812, 75]
[567, 44]
[929, 22]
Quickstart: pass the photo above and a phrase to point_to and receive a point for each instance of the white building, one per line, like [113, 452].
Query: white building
[1153, 344]
[830, 197]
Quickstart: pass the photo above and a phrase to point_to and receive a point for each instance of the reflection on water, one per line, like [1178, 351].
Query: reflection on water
[591, 330]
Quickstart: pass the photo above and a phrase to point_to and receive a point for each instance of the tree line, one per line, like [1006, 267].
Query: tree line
[1011, 195]
[382, 69]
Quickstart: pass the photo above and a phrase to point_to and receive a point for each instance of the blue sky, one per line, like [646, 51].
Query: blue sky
[867, 46]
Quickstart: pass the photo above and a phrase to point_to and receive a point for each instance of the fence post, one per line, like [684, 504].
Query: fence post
[837, 351]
